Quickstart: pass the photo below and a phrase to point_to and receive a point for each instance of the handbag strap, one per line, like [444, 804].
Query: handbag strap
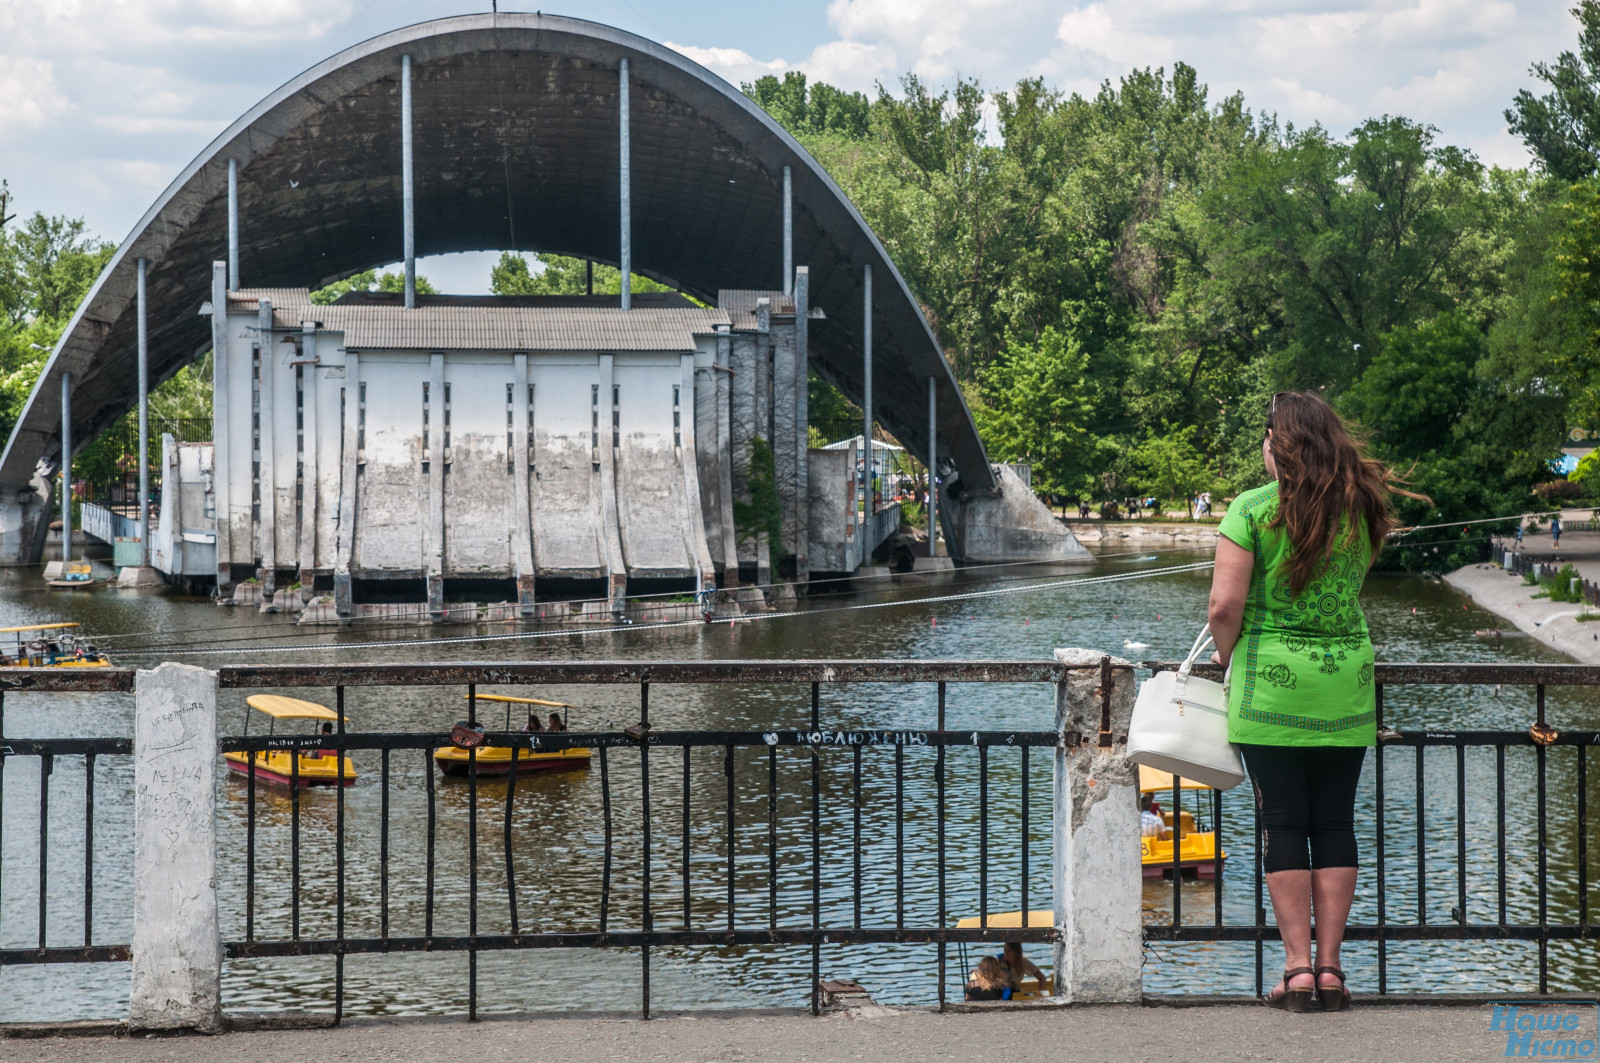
[1201, 644]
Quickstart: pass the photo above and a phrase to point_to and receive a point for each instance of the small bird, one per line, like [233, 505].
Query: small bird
[1137, 647]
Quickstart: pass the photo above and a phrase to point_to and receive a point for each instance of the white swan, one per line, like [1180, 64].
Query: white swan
[1136, 647]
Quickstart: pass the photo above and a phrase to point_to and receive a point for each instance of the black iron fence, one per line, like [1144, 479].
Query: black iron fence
[47, 753]
[1542, 567]
[705, 907]
[685, 864]
[107, 470]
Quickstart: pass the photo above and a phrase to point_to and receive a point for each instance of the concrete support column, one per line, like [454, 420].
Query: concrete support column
[520, 464]
[308, 458]
[933, 466]
[1096, 874]
[233, 225]
[866, 414]
[24, 521]
[723, 377]
[788, 232]
[267, 465]
[348, 485]
[705, 573]
[144, 419]
[434, 555]
[764, 420]
[66, 471]
[802, 418]
[625, 192]
[177, 943]
[220, 426]
[606, 454]
[408, 187]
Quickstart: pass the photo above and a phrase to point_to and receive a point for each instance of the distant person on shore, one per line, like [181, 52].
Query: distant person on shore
[1555, 530]
[1291, 559]
[1519, 533]
[1205, 503]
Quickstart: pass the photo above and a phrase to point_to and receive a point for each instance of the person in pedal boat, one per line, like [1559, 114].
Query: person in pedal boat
[1285, 597]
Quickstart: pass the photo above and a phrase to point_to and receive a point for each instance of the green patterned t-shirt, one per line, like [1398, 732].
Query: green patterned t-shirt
[1302, 670]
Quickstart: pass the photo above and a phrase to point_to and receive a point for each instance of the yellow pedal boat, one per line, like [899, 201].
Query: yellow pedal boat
[47, 646]
[316, 767]
[497, 760]
[1197, 849]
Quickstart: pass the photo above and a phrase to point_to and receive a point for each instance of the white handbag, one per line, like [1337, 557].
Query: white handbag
[1180, 725]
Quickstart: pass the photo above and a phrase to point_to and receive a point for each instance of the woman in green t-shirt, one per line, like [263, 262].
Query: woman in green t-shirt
[1291, 558]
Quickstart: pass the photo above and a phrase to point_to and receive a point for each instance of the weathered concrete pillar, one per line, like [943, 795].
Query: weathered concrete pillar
[1096, 875]
[765, 427]
[345, 554]
[520, 466]
[220, 422]
[611, 532]
[308, 458]
[24, 522]
[434, 559]
[866, 415]
[266, 462]
[802, 419]
[785, 430]
[705, 574]
[177, 943]
[723, 374]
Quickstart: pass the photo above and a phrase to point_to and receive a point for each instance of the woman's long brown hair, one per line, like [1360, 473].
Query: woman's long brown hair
[1324, 479]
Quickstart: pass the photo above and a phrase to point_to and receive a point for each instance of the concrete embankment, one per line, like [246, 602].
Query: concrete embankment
[1087, 1033]
[1553, 623]
[1144, 533]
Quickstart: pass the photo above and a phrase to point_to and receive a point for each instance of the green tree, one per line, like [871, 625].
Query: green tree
[1033, 407]
[1172, 466]
[370, 281]
[816, 110]
[1562, 127]
[561, 275]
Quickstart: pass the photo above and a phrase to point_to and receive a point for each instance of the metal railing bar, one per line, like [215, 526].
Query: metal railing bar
[816, 848]
[511, 856]
[433, 832]
[46, 767]
[727, 771]
[939, 782]
[339, 855]
[644, 789]
[983, 836]
[605, 861]
[622, 673]
[383, 846]
[294, 843]
[88, 849]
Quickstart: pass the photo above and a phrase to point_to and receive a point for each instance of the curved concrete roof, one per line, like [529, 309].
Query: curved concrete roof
[515, 129]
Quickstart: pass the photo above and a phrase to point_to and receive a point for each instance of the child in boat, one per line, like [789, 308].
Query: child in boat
[318, 754]
[555, 723]
[988, 981]
[533, 726]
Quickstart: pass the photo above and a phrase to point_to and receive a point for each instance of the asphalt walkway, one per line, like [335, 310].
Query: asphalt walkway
[1553, 623]
[1090, 1034]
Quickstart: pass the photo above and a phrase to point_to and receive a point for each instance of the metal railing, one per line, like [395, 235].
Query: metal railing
[653, 829]
[1388, 926]
[47, 752]
[707, 912]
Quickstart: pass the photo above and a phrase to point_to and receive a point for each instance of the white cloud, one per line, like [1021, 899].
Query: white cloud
[732, 64]
[28, 89]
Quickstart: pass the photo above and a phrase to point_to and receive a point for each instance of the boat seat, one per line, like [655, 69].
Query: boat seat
[1186, 824]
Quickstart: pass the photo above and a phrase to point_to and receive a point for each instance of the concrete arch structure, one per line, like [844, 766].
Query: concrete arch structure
[516, 131]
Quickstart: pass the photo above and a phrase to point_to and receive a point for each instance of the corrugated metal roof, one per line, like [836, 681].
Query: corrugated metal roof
[740, 304]
[492, 328]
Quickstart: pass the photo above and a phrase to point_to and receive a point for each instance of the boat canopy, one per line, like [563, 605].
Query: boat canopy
[521, 701]
[1010, 920]
[38, 627]
[1154, 780]
[282, 708]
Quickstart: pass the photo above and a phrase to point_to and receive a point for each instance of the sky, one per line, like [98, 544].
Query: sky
[103, 102]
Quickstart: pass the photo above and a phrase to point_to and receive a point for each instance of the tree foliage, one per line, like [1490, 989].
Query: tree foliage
[370, 281]
[1562, 127]
[561, 275]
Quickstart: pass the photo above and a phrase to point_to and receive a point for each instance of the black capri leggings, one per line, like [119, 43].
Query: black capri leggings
[1306, 794]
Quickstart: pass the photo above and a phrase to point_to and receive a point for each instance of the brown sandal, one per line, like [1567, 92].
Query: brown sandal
[1333, 999]
[1295, 1000]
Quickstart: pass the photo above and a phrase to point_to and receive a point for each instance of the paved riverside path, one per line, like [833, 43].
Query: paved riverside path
[1091, 1034]
[1552, 623]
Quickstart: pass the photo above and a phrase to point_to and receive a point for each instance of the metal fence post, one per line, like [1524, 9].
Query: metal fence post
[1096, 826]
[177, 942]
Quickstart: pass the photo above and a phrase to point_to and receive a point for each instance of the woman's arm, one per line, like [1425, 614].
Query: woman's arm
[1230, 586]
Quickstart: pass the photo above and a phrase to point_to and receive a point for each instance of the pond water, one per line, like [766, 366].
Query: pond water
[556, 830]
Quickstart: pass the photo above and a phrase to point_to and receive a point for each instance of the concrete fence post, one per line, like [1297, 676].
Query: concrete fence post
[1096, 874]
[177, 942]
